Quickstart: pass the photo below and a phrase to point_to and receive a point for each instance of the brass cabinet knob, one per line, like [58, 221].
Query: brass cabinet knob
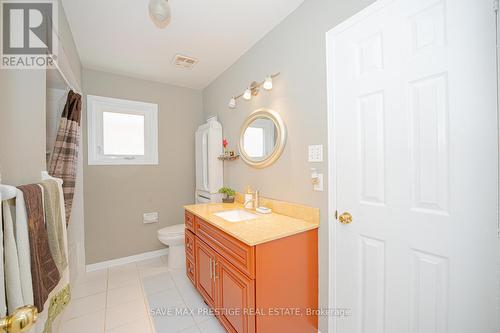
[345, 218]
[20, 321]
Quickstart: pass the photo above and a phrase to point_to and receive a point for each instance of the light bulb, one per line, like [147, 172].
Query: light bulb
[247, 94]
[232, 103]
[160, 12]
[268, 83]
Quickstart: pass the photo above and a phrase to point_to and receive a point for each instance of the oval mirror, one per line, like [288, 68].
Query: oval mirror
[262, 138]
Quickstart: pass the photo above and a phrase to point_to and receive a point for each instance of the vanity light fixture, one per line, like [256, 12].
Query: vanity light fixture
[253, 90]
[268, 83]
[247, 95]
[232, 103]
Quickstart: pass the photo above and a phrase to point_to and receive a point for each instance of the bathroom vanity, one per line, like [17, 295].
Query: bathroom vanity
[259, 275]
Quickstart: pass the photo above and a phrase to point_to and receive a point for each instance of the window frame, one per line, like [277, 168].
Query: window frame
[95, 134]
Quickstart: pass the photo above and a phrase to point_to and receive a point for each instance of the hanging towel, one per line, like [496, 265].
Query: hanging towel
[44, 272]
[63, 214]
[23, 248]
[53, 222]
[3, 301]
[12, 275]
[64, 159]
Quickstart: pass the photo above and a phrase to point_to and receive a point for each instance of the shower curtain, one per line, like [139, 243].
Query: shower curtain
[64, 158]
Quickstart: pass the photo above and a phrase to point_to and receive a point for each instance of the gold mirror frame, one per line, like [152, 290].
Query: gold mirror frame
[280, 139]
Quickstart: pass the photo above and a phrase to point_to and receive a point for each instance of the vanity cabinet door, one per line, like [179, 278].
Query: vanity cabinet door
[205, 259]
[236, 298]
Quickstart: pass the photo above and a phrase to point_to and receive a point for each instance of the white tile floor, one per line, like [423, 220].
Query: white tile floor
[137, 298]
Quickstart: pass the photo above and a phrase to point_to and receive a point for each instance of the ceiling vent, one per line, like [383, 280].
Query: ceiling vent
[184, 62]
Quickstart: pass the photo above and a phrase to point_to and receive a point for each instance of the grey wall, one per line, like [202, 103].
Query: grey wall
[22, 115]
[67, 48]
[296, 48]
[117, 196]
[22, 125]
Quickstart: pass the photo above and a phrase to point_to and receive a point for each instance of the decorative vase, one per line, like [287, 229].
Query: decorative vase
[228, 199]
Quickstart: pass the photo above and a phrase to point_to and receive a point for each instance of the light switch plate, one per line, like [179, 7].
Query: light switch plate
[316, 153]
[148, 218]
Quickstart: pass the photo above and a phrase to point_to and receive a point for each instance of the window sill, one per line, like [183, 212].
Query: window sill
[122, 161]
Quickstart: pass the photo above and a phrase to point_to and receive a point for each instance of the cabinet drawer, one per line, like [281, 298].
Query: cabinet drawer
[190, 270]
[189, 244]
[189, 221]
[236, 252]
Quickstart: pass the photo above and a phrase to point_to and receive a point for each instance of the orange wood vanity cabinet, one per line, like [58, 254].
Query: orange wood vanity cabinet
[266, 288]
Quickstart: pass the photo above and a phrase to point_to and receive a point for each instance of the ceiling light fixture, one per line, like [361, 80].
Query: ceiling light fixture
[253, 90]
[160, 13]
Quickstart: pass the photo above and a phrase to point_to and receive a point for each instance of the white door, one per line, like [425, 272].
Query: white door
[413, 127]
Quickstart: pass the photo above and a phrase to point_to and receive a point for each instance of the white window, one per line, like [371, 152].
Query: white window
[121, 132]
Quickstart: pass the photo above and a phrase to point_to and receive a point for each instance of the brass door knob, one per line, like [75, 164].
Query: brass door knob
[20, 321]
[345, 218]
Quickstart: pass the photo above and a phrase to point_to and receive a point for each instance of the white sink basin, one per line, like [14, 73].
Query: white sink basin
[237, 215]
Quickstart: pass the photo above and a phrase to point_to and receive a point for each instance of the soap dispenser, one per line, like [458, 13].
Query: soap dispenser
[248, 198]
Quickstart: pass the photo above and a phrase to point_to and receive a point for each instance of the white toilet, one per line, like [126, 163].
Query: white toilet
[173, 236]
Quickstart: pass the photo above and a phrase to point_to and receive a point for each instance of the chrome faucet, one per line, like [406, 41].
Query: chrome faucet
[255, 200]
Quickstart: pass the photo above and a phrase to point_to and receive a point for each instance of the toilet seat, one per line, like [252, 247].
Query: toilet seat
[173, 237]
[171, 231]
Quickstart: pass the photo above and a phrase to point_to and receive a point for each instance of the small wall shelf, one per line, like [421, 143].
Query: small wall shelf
[229, 158]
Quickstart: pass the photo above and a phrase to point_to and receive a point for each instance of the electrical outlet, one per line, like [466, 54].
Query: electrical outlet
[148, 218]
[316, 153]
[318, 187]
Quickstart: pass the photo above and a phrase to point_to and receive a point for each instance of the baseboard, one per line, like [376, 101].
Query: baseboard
[125, 260]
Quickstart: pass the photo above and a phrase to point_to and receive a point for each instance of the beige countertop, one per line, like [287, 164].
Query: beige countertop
[265, 228]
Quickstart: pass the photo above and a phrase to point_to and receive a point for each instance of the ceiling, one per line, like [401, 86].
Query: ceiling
[118, 36]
